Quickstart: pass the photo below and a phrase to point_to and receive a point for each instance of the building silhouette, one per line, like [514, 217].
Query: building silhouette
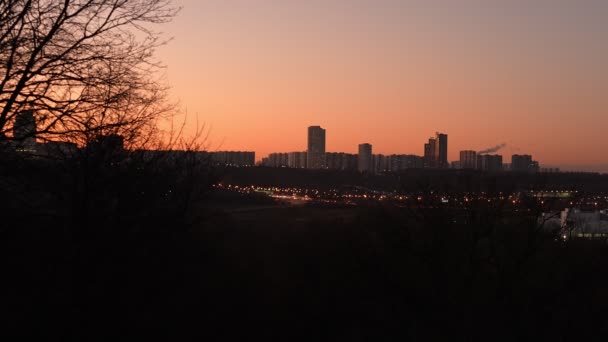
[468, 159]
[441, 151]
[296, 160]
[333, 161]
[429, 153]
[535, 166]
[315, 158]
[110, 142]
[24, 131]
[398, 162]
[364, 158]
[489, 162]
[522, 163]
[380, 163]
[549, 170]
[233, 158]
[276, 160]
[341, 161]
[57, 149]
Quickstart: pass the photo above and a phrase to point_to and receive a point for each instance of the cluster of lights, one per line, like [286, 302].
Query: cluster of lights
[331, 195]
[465, 200]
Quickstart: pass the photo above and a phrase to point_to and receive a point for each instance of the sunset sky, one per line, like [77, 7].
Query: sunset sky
[532, 74]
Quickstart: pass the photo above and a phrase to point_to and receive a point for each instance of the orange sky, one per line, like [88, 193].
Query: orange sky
[392, 73]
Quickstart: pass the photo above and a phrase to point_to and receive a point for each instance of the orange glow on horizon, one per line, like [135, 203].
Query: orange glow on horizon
[392, 75]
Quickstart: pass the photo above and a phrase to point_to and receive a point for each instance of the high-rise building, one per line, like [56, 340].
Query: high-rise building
[429, 153]
[489, 162]
[441, 150]
[365, 158]
[522, 163]
[468, 159]
[315, 158]
[24, 131]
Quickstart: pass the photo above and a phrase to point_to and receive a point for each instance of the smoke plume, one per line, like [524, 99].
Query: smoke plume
[492, 149]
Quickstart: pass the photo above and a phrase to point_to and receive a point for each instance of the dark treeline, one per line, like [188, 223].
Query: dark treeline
[86, 237]
[414, 179]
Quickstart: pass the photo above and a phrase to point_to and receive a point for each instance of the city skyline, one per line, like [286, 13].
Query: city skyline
[388, 72]
[365, 161]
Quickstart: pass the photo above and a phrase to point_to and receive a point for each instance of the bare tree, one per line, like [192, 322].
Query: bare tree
[85, 67]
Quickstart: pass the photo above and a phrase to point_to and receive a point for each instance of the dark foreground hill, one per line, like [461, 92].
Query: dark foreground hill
[305, 273]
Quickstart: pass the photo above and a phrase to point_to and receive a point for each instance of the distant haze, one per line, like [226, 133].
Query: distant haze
[392, 73]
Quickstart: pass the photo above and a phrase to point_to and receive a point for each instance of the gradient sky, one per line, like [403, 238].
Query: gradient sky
[532, 74]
